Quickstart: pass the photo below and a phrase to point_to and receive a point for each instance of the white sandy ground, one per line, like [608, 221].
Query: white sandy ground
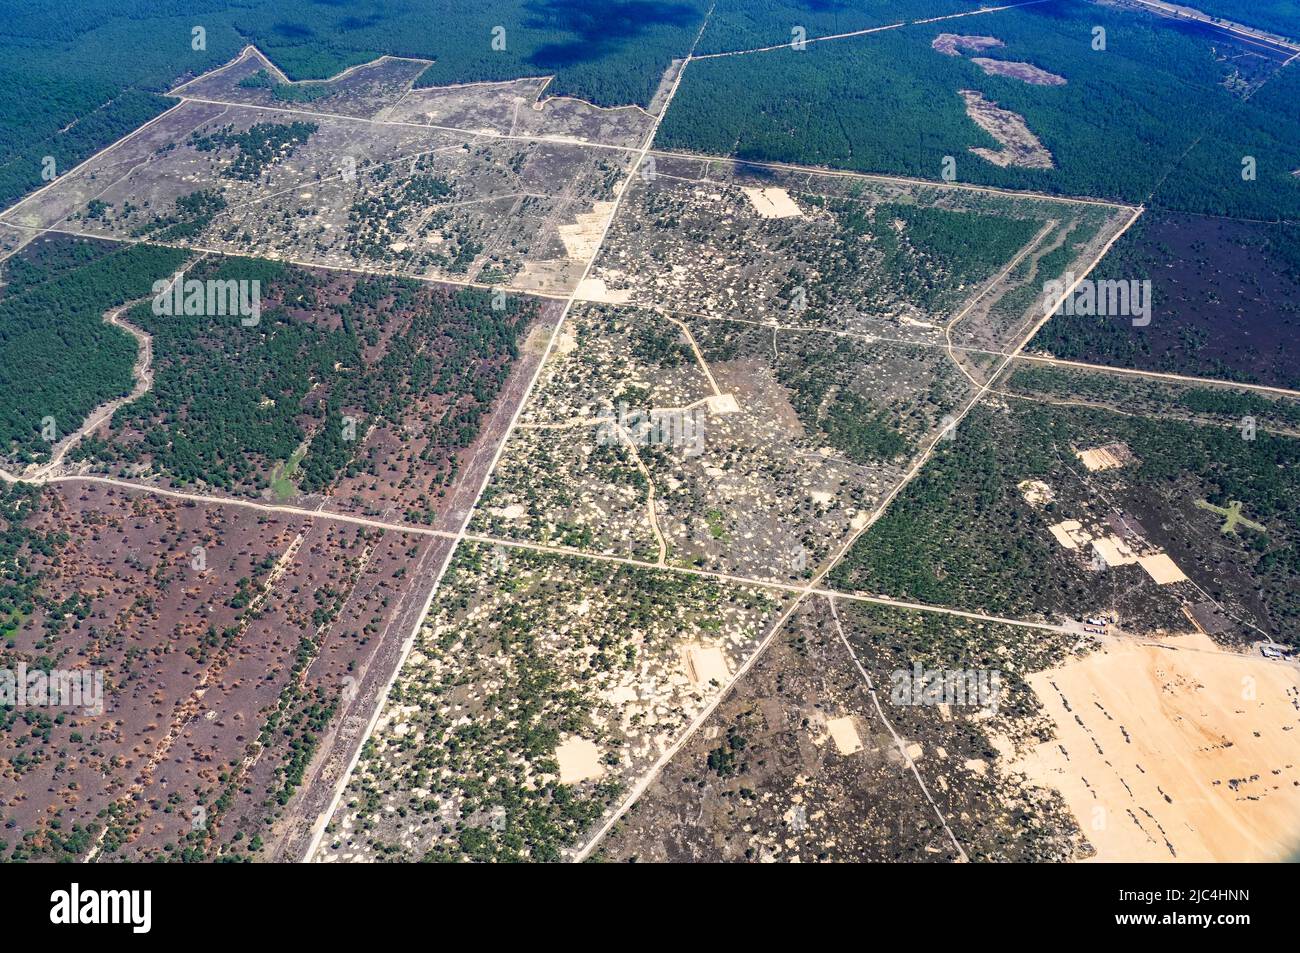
[594, 289]
[773, 203]
[723, 404]
[583, 236]
[1036, 492]
[579, 761]
[1175, 750]
[1114, 551]
[1070, 534]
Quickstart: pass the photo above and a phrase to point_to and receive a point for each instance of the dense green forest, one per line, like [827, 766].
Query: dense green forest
[939, 254]
[58, 358]
[746, 24]
[1118, 128]
[73, 82]
[1279, 16]
[231, 402]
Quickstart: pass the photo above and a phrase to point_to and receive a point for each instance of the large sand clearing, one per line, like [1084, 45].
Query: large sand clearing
[705, 664]
[773, 203]
[1162, 569]
[845, 735]
[579, 761]
[1175, 750]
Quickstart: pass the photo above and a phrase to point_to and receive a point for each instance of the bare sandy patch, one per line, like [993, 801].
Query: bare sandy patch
[595, 289]
[1114, 551]
[844, 732]
[723, 404]
[1036, 492]
[1110, 457]
[1020, 147]
[1070, 534]
[582, 236]
[1175, 750]
[566, 343]
[1162, 569]
[1025, 72]
[579, 761]
[705, 664]
[773, 203]
[550, 276]
[952, 44]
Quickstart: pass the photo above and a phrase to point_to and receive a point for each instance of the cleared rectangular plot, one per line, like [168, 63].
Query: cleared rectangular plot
[898, 259]
[340, 192]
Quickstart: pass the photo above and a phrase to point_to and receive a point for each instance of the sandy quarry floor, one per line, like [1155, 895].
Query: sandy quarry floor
[1177, 750]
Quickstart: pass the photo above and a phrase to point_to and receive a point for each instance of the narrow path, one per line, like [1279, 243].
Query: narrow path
[788, 45]
[699, 355]
[142, 372]
[651, 515]
[1158, 375]
[1190, 419]
[898, 741]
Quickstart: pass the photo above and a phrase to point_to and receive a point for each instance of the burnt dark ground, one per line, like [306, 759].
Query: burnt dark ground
[1226, 302]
